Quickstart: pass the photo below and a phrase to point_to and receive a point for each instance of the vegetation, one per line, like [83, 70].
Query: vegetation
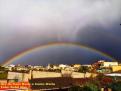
[75, 88]
[84, 69]
[3, 68]
[3, 75]
[90, 87]
[86, 87]
[115, 86]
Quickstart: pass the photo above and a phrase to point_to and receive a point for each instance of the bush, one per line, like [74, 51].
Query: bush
[116, 86]
[87, 87]
[3, 75]
[91, 87]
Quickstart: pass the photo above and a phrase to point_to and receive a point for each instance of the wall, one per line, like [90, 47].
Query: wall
[17, 75]
[107, 64]
[40, 74]
[116, 68]
[82, 75]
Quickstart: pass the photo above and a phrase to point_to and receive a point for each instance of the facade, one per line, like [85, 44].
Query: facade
[63, 66]
[3, 81]
[77, 66]
[104, 70]
[83, 75]
[44, 74]
[108, 64]
[18, 77]
[116, 68]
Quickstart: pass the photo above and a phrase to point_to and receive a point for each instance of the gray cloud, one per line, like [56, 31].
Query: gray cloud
[27, 22]
[58, 17]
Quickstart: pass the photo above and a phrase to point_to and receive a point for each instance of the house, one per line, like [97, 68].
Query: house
[116, 68]
[108, 64]
[76, 65]
[63, 66]
[18, 76]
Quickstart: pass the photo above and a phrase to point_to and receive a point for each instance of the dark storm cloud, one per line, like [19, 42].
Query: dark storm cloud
[27, 23]
[107, 40]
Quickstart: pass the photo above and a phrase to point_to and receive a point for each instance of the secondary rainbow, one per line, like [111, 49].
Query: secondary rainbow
[26, 52]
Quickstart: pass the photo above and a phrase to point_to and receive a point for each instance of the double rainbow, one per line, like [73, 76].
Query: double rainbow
[27, 52]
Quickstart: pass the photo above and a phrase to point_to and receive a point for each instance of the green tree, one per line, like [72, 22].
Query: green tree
[75, 88]
[91, 87]
[2, 68]
[116, 86]
[84, 69]
[3, 75]
[86, 87]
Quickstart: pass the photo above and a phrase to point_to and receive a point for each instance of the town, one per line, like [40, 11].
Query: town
[101, 76]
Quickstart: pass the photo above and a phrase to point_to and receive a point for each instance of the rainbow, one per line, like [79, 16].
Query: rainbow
[26, 52]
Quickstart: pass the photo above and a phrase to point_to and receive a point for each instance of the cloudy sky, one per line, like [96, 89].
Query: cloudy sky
[28, 23]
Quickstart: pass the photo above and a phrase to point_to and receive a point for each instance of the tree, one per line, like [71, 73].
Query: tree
[100, 76]
[116, 86]
[75, 88]
[84, 69]
[86, 87]
[3, 68]
[91, 87]
[3, 75]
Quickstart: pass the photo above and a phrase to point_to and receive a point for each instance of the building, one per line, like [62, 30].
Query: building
[83, 75]
[63, 66]
[9, 67]
[76, 65]
[116, 68]
[18, 76]
[104, 70]
[3, 81]
[44, 74]
[108, 64]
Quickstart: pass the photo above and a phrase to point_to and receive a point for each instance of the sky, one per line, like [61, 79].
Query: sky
[28, 23]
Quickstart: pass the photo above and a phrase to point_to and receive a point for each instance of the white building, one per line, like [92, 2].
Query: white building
[9, 67]
[63, 66]
[108, 64]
